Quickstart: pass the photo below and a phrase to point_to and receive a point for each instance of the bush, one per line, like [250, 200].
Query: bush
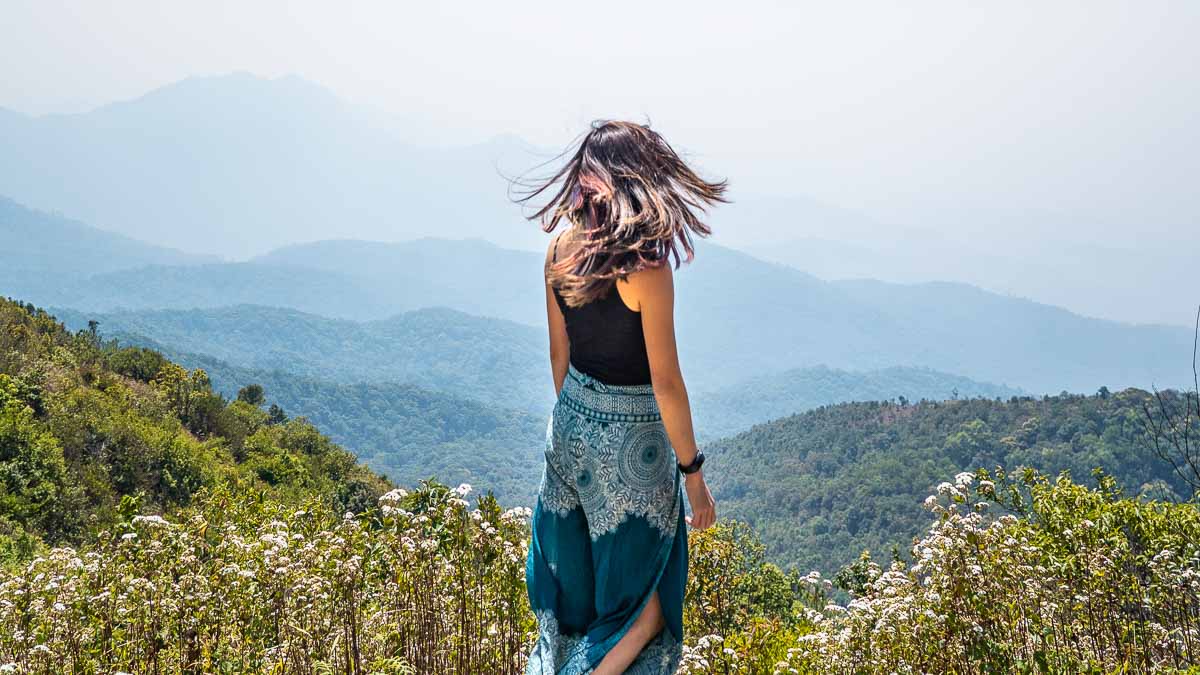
[1061, 578]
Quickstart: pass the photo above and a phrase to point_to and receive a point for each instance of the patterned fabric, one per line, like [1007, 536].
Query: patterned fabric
[607, 530]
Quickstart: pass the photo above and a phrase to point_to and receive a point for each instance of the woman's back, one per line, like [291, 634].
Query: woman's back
[607, 559]
[606, 337]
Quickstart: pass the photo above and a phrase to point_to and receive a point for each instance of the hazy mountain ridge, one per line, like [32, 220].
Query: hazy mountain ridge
[290, 161]
[38, 240]
[218, 285]
[283, 154]
[47, 255]
[472, 275]
[1142, 285]
[474, 358]
[737, 316]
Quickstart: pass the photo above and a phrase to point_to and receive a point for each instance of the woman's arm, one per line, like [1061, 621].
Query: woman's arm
[560, 346]
[654, 292]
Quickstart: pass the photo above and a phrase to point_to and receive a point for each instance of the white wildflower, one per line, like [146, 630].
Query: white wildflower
[152, 520]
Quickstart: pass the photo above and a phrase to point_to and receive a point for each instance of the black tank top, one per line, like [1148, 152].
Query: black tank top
[606, 338]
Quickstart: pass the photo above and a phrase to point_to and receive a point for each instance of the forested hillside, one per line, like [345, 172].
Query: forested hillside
[469, 357]
[89, 431]
[404, 431]
[822, 486]
[738, 407]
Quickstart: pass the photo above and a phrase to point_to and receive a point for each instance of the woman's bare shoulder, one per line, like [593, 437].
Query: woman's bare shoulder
[650, 283]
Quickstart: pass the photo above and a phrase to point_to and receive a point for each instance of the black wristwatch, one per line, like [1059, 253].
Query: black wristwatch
[697, 462]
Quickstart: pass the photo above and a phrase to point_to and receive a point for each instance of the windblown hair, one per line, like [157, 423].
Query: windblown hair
[633, 203]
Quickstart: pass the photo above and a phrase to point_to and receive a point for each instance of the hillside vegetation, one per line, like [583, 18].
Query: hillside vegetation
[1080, 581]
[149, 525]
[819, 488]
[89, 430]
[822, 486]
[470, 357]
[407, 432]
[194, 534]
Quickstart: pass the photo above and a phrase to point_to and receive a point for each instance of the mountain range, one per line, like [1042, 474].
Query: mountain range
[477, 357]
[237, 164]
[738, 316]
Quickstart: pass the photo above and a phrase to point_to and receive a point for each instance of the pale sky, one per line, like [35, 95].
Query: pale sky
[1031, 123]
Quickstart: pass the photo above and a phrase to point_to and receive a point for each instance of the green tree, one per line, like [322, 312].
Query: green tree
[252, 394]
[275, 415]
[32, 469]
[137, 362]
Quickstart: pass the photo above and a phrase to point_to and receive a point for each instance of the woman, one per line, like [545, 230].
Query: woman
[608, 557]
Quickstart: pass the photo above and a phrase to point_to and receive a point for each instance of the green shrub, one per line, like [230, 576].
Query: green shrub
[1026, 575]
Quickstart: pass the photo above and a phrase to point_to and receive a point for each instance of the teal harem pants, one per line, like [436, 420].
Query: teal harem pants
[608, 530]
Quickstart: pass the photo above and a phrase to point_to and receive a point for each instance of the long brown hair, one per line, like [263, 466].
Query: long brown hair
[631, 199]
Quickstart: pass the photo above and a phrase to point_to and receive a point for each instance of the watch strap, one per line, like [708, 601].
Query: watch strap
[695, 464]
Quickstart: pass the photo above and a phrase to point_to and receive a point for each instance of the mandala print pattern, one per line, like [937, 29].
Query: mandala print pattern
[555, 493]
[661, 655]
[553, 647]
[609, 483]
[612, 469]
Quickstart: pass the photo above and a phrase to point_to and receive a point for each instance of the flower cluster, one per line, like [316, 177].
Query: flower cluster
[1064, 579]
[1014, 575]
[423, 584]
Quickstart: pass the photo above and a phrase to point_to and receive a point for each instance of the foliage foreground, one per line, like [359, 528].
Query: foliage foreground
[1062, 579]
[148, 525]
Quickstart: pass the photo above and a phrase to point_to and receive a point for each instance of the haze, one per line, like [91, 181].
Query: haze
[1047, 150]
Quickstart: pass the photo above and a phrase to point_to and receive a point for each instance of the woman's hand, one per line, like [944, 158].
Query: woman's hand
[704, 509]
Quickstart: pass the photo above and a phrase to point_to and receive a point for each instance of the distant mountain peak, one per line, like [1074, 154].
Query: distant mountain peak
[49, 244]
[201, 94]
